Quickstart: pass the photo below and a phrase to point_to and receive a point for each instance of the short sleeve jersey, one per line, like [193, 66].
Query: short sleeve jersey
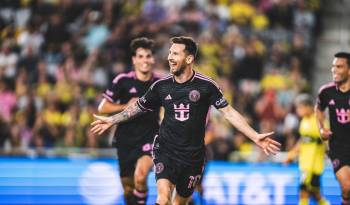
[338, 104]
[142, 129]
[186, 105]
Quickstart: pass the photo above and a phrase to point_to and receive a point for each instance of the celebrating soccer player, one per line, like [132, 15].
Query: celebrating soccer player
[178, 149]
[133, 139]
[336, 96]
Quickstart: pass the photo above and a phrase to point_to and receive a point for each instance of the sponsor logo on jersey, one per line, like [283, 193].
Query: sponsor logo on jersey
[133, 90]
[146, 147]
[182, 112]
[168, 97]
[220, 101]
[342, 115]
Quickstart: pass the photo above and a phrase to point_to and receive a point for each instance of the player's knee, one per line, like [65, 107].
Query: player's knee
[180, 202]
[164, 196]
[128, 191]
[140, 178]
[304, 193]
[346, 189]
[163, 199]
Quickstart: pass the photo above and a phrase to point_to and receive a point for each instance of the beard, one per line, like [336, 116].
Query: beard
[180, 70]
[341, 81]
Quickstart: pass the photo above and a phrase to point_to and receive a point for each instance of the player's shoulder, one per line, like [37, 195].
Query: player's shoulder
[163, 80]
[205, 79]
[124, 76]
[157, 76]
[328, 87]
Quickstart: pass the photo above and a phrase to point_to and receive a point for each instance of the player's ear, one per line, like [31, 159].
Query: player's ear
[189, 59]
[133, 59]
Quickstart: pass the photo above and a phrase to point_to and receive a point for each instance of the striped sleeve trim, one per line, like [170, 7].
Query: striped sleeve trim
[131, 74]
[203, 77]
[142, 107]
[328, 85]
[107, 97]
[162, 79]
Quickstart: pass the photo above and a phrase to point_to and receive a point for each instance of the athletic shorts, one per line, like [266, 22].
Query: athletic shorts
[127, 158]
[309, 180]
[339, 160]
[184, 177]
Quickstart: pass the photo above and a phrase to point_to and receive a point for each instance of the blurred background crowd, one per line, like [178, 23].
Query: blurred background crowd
[58, 56]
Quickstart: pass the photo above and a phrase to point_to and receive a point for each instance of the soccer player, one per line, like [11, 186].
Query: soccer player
[336, 96]
[311, 152]
[134, 138]
[178, 149]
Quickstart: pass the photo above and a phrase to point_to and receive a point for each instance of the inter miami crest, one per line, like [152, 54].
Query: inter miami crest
[159, 167]
[194, 95]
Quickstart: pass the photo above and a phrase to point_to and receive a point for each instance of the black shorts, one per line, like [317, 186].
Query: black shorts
[339, 160]
[127, 158]
[184, 177]
[310, 181]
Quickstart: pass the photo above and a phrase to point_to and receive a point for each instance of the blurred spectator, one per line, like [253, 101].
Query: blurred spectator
[96, 31]
[153, 11]
[281, 14]
[241, 12]
[8, 100]
[31, 38]
[8, 60]
[56, 32]
[56, 55]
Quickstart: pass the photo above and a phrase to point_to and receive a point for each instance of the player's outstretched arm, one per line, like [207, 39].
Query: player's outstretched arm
[103, 123]
[263, 140]
[292, 153]
[107, 107]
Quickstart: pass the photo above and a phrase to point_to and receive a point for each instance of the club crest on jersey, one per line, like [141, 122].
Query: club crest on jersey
[182, 112]
[194, 95]
[335, 163]
[159, 167]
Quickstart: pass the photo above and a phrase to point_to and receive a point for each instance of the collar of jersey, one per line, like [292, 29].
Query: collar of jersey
[189, 80]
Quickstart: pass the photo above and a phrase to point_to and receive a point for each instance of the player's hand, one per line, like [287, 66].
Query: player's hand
[288, 159]
[325, 134]
[101, 124]
[268, 145]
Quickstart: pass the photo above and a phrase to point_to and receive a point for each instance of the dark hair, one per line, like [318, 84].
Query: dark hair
[190, 44]
[343, 55]
[141, 42]
[304, 99]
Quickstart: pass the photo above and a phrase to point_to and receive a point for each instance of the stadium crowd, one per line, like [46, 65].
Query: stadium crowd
[58, 56]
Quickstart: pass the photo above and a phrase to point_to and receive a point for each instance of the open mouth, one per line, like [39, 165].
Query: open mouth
[172, 64]
[144, 65]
